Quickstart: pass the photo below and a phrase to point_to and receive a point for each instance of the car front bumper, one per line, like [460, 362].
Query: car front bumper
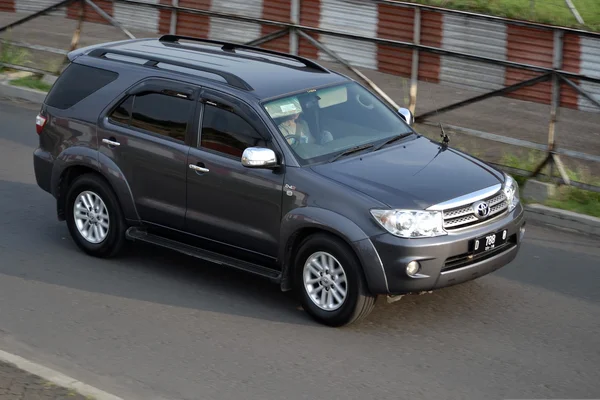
[445, 260]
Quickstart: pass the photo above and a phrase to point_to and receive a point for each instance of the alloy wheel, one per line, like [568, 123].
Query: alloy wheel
[325, 281]
[91, 217]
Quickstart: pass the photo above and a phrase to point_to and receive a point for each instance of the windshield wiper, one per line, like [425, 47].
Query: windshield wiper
[391, 140]
[350, 151]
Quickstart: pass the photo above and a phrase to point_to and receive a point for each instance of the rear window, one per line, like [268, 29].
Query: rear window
[76, 83]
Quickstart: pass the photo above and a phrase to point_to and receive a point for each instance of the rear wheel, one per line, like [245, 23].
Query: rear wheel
[330, 281]
[94, 216]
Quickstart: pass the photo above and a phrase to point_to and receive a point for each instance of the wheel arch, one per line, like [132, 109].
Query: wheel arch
[302, 223]
[74, 162]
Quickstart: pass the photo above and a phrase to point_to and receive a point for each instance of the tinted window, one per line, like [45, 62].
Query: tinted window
[161, 114]
[76, 83]
[122, 113]
[228, 133]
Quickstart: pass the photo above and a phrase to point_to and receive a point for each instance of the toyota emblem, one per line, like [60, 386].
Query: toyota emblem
[481, 209]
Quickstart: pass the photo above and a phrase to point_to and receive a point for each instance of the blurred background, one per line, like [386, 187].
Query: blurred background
[433, 56]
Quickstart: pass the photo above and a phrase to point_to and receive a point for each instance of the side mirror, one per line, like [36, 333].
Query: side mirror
[259, 157]
[407, 115]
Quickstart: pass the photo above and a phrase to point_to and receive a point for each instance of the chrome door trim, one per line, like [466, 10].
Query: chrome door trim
[110, 142]
[199, 169]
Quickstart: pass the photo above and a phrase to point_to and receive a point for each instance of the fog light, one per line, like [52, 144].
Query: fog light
[412, 268]
[521, 232]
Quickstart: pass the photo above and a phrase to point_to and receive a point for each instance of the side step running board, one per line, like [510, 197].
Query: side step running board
[134, 233]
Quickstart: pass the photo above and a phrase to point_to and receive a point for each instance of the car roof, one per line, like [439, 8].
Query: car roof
[261, 73]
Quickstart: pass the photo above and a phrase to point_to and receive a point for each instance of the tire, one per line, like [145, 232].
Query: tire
[96, 244]
[357, 303]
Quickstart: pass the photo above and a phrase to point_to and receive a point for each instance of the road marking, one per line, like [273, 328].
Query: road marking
[56, 377]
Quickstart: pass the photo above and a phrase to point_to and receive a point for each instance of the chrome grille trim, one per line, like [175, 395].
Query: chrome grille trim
[449, 223]
[467, 199]
[464, 217]
[497, 199]
[458, 212]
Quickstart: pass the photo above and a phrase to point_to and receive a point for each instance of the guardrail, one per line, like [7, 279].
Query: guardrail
[556, 74]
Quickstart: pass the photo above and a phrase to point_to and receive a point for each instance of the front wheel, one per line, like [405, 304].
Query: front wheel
[330, 281]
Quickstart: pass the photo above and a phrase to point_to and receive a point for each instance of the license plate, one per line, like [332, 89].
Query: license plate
[489, 242]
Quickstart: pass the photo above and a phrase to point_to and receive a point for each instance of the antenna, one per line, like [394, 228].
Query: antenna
[443, 134]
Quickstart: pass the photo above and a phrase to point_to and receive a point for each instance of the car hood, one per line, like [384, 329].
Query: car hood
[415, 174]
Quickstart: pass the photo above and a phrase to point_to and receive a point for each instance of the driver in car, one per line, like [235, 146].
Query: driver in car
[293, 128]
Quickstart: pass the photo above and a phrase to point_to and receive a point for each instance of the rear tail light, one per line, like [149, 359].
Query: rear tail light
[40, 122]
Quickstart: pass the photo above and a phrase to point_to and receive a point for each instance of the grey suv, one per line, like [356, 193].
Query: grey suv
[269, 163]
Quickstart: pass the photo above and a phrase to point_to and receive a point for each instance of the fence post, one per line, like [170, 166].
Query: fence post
[173, 26]
[77, 33]
[295, 19]
[75, 38]
[556, 65]
[414, 73]
[552, 158]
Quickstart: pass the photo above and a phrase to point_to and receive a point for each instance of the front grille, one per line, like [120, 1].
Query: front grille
[463, 260]
[463, 216]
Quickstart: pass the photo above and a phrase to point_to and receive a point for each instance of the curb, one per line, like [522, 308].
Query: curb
[15, 92]
[56, 377]
[564, 219]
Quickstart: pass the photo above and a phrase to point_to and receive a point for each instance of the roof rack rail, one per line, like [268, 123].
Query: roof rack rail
[230, 46]
[152, 61]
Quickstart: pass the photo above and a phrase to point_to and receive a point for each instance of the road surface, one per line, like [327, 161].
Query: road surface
[156, 325]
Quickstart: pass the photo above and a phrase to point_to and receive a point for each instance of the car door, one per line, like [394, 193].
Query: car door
[147, 133]
[227, 202]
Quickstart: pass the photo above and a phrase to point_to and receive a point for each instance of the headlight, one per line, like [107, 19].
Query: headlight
[410, 223]
[511, 191]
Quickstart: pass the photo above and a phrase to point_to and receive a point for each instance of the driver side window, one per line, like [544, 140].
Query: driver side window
[227, 133]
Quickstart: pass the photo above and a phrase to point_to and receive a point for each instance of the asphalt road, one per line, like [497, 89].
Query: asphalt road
[157, 325]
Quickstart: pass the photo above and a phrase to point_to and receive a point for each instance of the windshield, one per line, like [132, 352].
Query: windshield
[320, 124]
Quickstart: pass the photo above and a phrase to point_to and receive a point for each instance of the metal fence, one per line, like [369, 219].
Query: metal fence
[556, 75]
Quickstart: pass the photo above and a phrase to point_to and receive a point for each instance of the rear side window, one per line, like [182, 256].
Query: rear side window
[155, 113]
[76, 83]
[161, 114]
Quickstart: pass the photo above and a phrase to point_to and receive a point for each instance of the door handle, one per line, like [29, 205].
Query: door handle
[198, 168]
[111, 142]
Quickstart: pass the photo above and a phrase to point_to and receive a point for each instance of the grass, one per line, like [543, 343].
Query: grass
[10, 54]
[528, 163]
[567, 197]
[581, 205]
[555, 12]
[31, 82]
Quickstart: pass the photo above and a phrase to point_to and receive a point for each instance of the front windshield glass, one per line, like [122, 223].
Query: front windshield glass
[320, 124]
